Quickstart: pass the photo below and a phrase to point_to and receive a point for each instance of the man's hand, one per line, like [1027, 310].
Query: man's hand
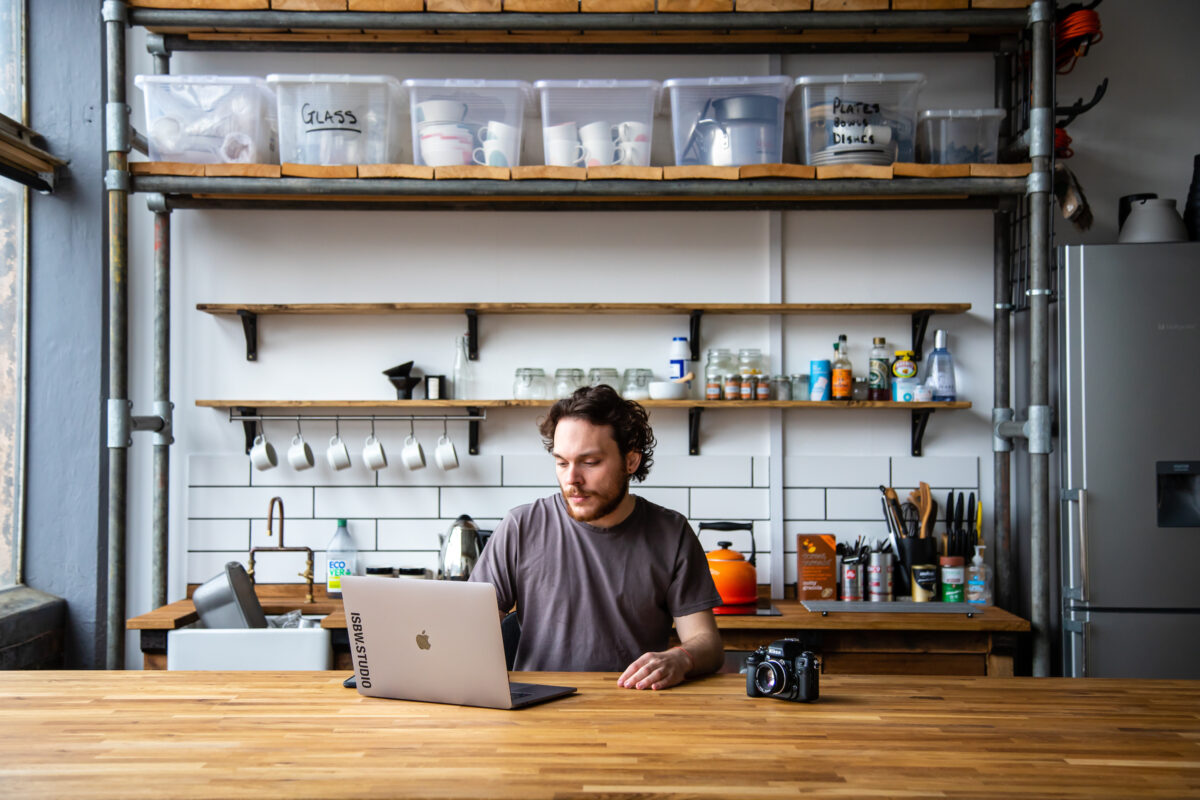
[656, 670]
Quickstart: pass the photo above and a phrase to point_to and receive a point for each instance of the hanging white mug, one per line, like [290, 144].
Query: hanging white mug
[337, 455]
[373, 455]
[262, 453]
[300, 454]
[445, 454]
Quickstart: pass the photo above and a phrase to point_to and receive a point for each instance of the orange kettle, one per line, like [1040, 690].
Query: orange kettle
[735, 577]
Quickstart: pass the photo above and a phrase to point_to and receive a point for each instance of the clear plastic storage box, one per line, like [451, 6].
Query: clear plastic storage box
[458, 122]
[339, 119]
[856, 119]
[961, 136]
[209, 119]
[598, 122]
[728, 122]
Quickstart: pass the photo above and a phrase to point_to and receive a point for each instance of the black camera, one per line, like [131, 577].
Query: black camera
[783, 669]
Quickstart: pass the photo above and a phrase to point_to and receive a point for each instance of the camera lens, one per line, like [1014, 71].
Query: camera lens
[770, 678]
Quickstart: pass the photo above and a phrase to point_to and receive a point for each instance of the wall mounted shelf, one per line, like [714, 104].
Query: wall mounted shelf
[919, 313]
[306, 409]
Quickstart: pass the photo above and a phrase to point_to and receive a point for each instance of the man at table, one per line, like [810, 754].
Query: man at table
[598, 575]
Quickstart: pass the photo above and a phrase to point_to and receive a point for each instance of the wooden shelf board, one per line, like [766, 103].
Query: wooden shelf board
[583, 308]
[408, 404]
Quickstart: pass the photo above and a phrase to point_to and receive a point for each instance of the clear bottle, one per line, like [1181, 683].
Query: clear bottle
[940, 376]
[750, 361]
[843, 372]
[463, 377]
[341, 558]
[879, 371]
[979, 579]
[718, 365]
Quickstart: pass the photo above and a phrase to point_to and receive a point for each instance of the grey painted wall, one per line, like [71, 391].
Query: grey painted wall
[67, 361]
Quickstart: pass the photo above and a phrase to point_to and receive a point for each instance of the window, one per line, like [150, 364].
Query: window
[12, 301]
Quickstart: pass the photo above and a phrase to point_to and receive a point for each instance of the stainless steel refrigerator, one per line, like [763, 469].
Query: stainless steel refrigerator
[1129, 428]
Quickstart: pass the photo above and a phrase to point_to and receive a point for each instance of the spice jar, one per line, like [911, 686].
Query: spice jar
[719, 364]
[566, 381]
[637, 384]
[732, 387]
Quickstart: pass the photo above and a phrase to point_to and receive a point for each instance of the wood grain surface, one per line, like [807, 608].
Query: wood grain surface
[95, 734]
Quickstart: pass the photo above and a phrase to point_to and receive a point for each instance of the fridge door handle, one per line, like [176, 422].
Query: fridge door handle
[1080, 496]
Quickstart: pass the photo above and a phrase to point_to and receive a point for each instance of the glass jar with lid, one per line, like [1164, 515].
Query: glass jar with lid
[636, 384]
[566, 381]
[529, 383]
[599, 375]
[720, 363]
[750, 361]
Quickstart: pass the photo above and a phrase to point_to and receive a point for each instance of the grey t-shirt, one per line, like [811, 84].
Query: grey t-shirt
[594, 599]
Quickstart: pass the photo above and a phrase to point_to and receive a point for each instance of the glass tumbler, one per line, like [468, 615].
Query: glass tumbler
[636, 385]
[530, 384]
[566, 381]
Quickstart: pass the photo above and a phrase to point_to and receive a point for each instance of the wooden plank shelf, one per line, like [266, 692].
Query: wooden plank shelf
[248, 410]
[250, 312]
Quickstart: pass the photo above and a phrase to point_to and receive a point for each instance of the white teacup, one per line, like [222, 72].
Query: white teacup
[338, 455]
[635, 154]
[598, 130]
[564, 153]
[262, 453]
[300, 455]
[441, 111]
[494, 154]
[373, 455]
[445, 454]
[413, 455]
[564, 130]
[445, 154]
[632, 131]
[498, 131]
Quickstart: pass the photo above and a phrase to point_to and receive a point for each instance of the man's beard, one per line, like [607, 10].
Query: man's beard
[603, 510]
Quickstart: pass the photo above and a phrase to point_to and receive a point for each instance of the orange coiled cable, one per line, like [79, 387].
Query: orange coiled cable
[1074, 34]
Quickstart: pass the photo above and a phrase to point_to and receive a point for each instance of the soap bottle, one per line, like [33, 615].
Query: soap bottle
[341, 558]
[979, 579]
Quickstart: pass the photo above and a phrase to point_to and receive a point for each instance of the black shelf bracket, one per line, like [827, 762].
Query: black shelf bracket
[473, 430]
[249, 426]
[694, 333]
[694, 430]
[250, 328]
[472, 335]
[920, 322]
[920, 418]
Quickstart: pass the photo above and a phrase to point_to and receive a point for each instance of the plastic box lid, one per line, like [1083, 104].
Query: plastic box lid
[232, 80]
[961, 113]
[469, 83]
[597, 84]
[311, 79]
[778, 81]
[865, 77]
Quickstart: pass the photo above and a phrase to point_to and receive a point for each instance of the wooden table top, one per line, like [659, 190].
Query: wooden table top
[95, 734]
[793, 616]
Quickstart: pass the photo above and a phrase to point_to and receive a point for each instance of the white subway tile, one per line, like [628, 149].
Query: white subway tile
[376, 501]
[938, 471]
[852, 504]
[472, 471]
[804, 504]
[420, 559]
[689, 471]
[218, 534]
[205, 565]
[218, 469]
[839, 471]
[735, 504]
[530, 470]
[674, 499]
[286, 567]
[321, 474]
[485, 502]
[420, 534]
[234, 502]
[762, 471]
[314, 533]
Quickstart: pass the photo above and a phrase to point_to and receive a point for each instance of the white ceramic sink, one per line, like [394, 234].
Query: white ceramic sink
[194, 648]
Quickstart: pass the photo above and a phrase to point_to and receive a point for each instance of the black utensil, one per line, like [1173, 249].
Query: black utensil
[969, 531]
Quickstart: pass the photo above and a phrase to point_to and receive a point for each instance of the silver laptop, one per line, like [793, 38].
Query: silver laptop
[436, 641]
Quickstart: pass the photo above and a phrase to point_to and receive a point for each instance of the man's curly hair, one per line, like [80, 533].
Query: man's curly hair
[601, 405]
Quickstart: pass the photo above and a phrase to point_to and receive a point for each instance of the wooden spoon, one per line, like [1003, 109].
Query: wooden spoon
[926, 505]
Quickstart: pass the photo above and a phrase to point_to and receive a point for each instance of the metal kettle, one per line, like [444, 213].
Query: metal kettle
[460, 548]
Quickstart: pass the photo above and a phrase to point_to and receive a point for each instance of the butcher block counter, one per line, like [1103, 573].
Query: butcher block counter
[134, 734]
[975, 641]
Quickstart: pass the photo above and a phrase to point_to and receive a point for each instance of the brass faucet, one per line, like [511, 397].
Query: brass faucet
[308, 565]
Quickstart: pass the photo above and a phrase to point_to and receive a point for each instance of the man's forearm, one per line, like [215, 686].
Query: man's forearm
[706, 651]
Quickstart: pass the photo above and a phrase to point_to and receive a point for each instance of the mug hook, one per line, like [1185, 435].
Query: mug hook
[372, 427]
[298, 431]
[411, 430]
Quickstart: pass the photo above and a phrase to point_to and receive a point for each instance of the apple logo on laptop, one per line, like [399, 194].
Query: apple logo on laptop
[423, 641]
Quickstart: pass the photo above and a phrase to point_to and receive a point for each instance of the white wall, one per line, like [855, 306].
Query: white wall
[834, 460]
